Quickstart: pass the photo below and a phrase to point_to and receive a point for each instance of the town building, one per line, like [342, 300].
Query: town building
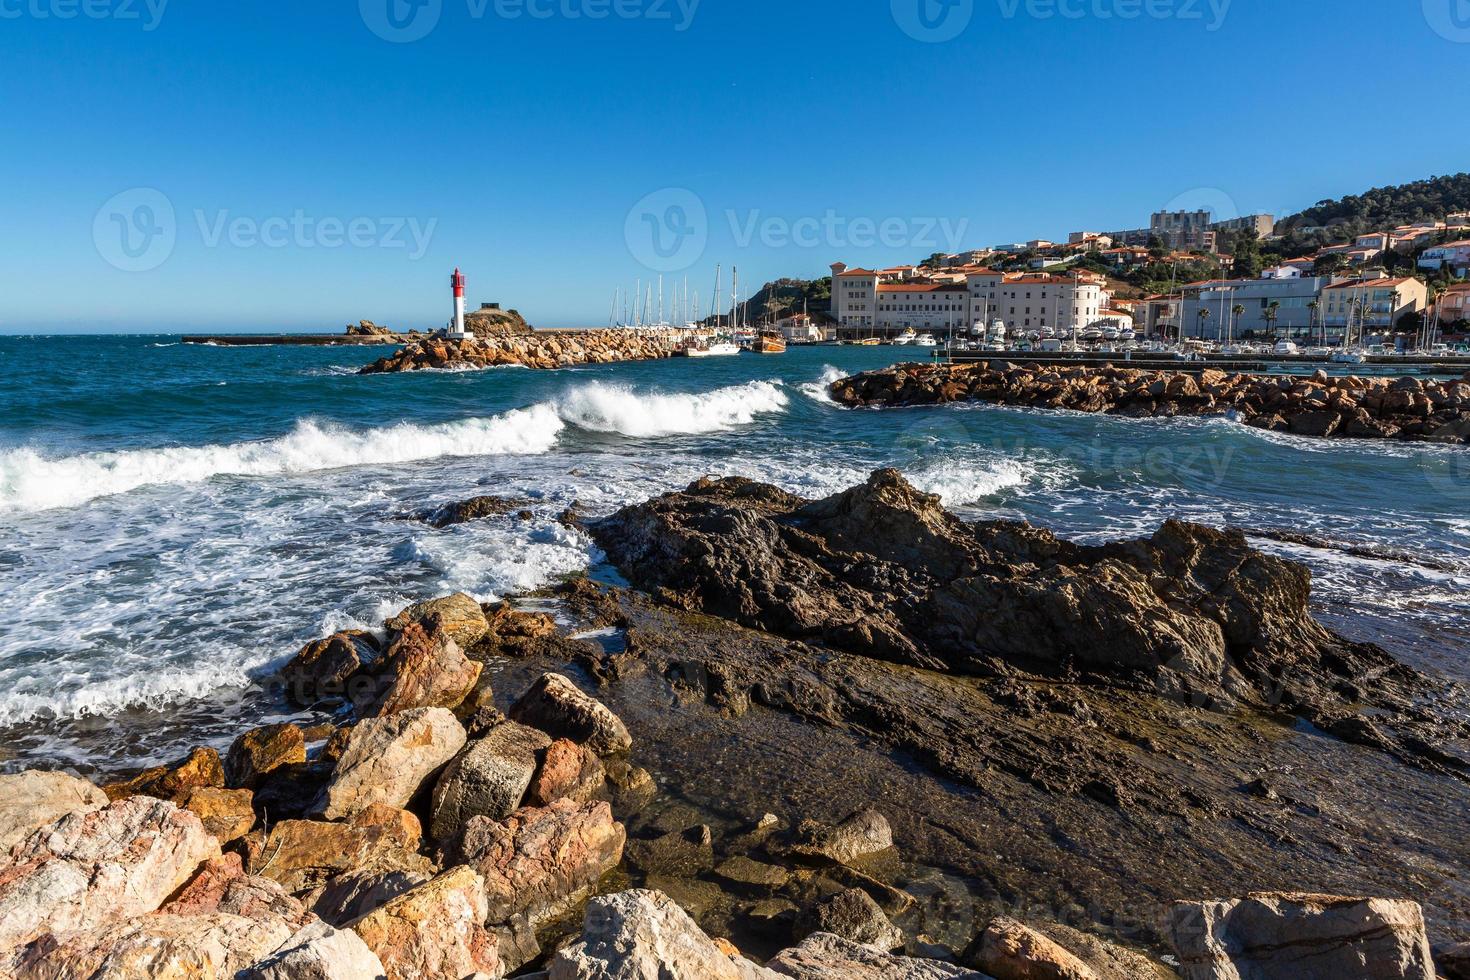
[1376, 303]
[1186, 230]
[1280, 306]
[1263, 225]
[1454, 254]
[1454, 306]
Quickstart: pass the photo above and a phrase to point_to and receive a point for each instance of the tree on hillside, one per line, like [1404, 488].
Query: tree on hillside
[1329, 264]
[1248, 262]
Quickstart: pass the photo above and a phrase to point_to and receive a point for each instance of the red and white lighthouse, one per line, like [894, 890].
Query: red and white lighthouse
[456, 326]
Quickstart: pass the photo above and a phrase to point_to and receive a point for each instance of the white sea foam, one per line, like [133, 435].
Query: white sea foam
[29, 481]
[960, 483]
[818, 390]
[615, 409]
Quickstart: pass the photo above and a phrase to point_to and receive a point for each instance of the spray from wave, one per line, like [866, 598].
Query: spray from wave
[614, 409]
[818, 390]
[30, 482]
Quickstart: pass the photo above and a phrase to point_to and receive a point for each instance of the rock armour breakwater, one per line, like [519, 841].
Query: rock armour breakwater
[543, 350]
[1405, 408]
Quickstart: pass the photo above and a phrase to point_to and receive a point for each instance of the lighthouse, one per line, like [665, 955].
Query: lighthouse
[456, 326]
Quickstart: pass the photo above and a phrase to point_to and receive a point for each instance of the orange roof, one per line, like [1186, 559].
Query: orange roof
[857, 272]
[1371, 283]
[891, 287]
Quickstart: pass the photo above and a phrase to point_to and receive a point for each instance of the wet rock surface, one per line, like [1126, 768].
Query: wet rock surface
[1407, 408]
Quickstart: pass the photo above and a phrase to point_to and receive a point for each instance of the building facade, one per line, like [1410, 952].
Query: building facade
[1454, 254]
[1374, 303]
[1279, 307]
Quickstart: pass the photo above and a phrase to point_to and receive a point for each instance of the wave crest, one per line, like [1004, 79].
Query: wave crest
[615, 409]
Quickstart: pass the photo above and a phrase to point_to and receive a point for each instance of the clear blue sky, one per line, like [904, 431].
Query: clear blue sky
[519, 145]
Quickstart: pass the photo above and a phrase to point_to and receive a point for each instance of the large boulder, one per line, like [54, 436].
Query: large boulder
[319, 952]
[457, 616]
[824, 956]
[161, 946]
[643, 935]
[305, 854]
[1305, 937]
[853, 915]
[91, 870]
[352, 895]
[387, 759]
[568, 771]
[556, 706]
[1009, 950]
[33, 799]
[424, 670]
[173, 782]
[435, 930]
[861, 835]
[324, 668]
[260, 751]
[489, 778]
[228, 814]
[223, 887]
[540, 863]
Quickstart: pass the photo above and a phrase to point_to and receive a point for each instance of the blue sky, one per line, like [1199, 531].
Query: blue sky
[322, 163]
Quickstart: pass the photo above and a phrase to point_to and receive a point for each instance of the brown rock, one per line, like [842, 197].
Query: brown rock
[401, 826]
[227, 814]
[32, 799]
[222, 886]
[388, 759]
[260, 751]
[172, 782]
[568, 771]
[489, 778]
[427, 670]
[154, 947]
[457, 616]
[1008, 950]
[556, 706]
[304, 854]
[324, 668]
[435, 930]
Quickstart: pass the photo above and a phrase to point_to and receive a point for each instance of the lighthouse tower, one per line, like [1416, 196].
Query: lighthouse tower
[456, 326]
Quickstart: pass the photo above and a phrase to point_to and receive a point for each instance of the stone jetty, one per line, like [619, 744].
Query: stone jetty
[540, 349]
[1407, 408]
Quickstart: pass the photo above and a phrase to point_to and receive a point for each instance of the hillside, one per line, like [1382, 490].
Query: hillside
[1387, 207]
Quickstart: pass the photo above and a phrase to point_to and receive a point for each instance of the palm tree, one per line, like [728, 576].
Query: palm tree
[1204, 317]
[1273, 312]
[1312, 313]
[1237, 310]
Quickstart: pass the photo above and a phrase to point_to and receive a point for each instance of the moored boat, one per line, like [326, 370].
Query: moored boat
[768, 342]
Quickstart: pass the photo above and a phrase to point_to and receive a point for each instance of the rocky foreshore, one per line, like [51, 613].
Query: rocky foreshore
[544, 350]
[845, 738]
[1406, 408]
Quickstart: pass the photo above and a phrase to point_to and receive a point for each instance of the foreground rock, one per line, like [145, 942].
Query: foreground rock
[543, 350]
[457, 616]
[642, 935]
[319, 952]
[489, 778]
[173, 782]
[1364, 408]
[885, 572]
[1008, 950]
[304, 855]
[435, 930]
[426, 668]
[1306, 937]
[387, 759]
[91, 870]
[555, 705]
[30, 800]
[826, 957]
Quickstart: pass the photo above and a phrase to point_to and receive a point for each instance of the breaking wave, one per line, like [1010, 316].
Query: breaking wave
[614, 409]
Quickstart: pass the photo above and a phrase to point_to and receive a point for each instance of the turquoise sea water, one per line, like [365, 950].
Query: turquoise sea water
[176, 520]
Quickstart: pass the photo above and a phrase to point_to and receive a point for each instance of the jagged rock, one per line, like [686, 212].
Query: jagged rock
[435, 930]
[826, 957]
[556, 706]
[1306, 937]
[1108, 960]
[1009, 950]
[258, 752]
[489, 778]
[387, 759]
[91, 870]
[33, 799]
[172, 782]
[642, 935]
[540, 862]
[319, 952]
[223, 888]
[304, 854]
[864, 833]
[427, 670]
[852, 914]
[457, 616]
[351, 896]
[401, 826]
[325, 668]
[227, 814]
[567, 771]
[474, 509]
[161, 946]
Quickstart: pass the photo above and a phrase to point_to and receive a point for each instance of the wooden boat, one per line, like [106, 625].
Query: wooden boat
[768, 342]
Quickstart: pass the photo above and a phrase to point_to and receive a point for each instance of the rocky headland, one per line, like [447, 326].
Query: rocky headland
[855, 737]
[1406, 408]
[542, 349]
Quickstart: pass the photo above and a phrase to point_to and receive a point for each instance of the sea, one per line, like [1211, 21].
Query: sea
[177, 520]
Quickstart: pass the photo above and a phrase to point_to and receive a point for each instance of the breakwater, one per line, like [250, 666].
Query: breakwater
[543, 349]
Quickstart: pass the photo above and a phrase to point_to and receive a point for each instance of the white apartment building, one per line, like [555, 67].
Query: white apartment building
[864, 304]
